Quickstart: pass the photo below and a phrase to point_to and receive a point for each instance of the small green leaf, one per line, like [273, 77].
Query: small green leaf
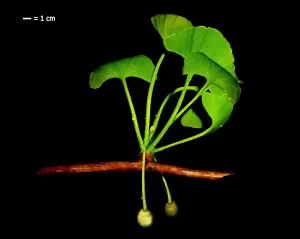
[191, 119]
[202, 39]
[138, 66]
[218, 107]
[168, 24]
[221, 81]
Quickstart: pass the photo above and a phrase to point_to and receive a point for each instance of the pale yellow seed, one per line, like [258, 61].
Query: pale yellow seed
[145, 218]
[171, 209]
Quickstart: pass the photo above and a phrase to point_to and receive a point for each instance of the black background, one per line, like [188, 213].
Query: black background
[66, 122]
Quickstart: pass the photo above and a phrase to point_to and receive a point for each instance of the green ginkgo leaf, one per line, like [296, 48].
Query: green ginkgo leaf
[168, 24]
[191, 119]
[202, 39]
[221, 82]
[138, 66]
[218, 107]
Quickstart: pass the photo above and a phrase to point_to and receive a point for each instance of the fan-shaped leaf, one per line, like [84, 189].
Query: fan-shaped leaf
[202, 39]
[218, 107]
[191, 119]
[168, 24]
[221, 81]
[138, 66]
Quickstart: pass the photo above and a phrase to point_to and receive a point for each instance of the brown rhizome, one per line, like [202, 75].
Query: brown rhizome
[130, 166]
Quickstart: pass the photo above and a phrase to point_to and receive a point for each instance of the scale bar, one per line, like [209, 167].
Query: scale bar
[26, 18]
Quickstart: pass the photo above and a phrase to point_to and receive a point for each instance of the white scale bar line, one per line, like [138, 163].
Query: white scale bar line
[26, 18]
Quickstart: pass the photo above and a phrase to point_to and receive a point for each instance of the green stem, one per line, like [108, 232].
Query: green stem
[167, 189]
[157, 117]
[200, 92]
[134, 118]
[183, 141]
[172, 117]
[166, 185]
[143, 182]
[148, 104]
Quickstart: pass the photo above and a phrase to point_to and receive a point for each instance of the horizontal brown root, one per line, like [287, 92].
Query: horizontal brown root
[133, 166]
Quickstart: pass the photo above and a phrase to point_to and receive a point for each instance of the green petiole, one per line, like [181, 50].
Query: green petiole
[143, 182]
[184, 140]
[166, 185]
[133, 114]
[149, 98]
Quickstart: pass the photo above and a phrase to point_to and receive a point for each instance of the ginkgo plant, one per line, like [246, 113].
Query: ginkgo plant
[207, 53]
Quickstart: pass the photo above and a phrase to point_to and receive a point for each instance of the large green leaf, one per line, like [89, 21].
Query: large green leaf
[168, 24]
[202, 39]
[138, 66]
[191, 119]
[220, 80]
[218, 107]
